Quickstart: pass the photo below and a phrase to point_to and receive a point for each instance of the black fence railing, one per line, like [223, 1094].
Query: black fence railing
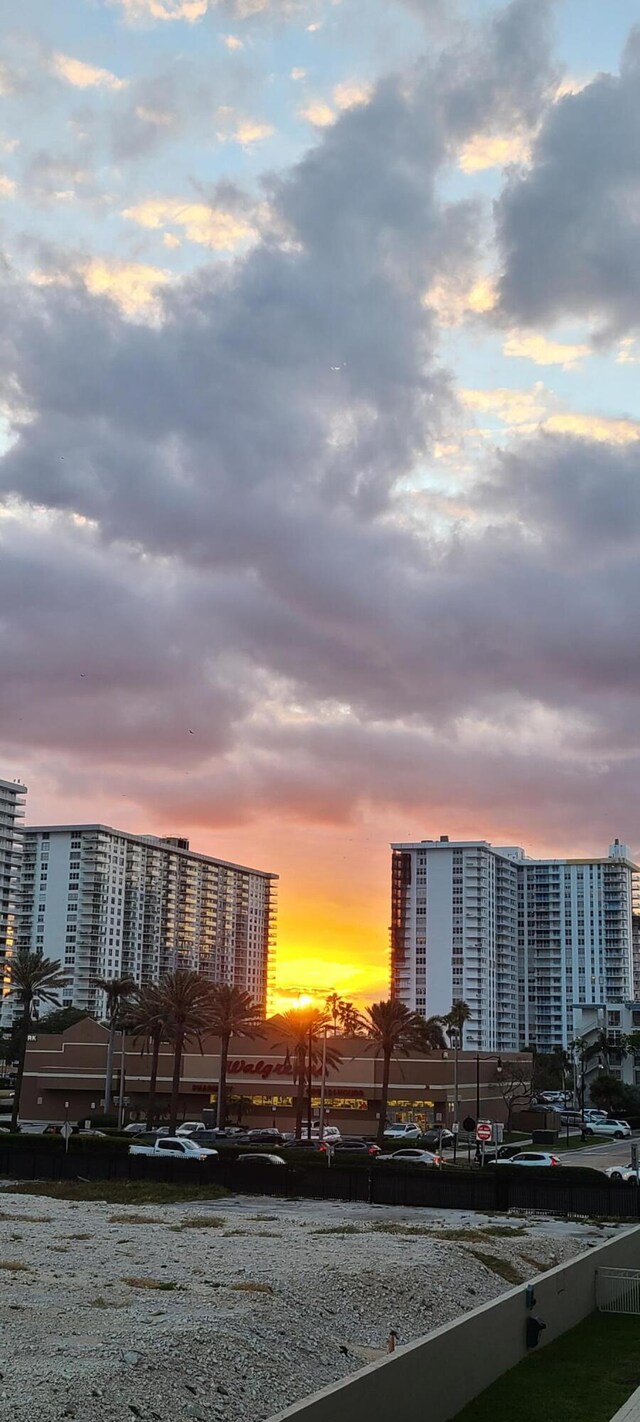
[485, 1190]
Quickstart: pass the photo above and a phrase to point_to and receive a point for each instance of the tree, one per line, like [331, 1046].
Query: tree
[394, 1031]
[116, 991]
[513, 1080]
[334, 1005]
[61, 1019]
[453, 1024]
[610, 1094]
[188, 1005]
[33, 979]
[301, 1030]
[351, 1021]
[233, 1014]
[146, 1017]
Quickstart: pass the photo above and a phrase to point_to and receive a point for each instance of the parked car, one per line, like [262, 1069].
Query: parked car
[507, 1152]
[190, 1128]
[622, 1172]
[266, 1135]
[136, 1128]
[301, 1143]
[266, 1158]
[530, 1157]
[620, 1130]
[406, 1130]
[563, 1097]
[438, 1140]
[174, 1147]
[354, 1145]
[215, 1135]
[410, 1157]
[592, 1115]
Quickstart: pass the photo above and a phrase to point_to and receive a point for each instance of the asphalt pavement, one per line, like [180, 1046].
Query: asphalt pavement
[599, 1156]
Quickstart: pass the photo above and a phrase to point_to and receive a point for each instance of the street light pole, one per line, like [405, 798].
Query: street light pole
[477, 1087]
[310, 1080]
[122, 1079]
[323, 1082]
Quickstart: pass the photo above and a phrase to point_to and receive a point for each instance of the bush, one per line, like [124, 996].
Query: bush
[55, 1144]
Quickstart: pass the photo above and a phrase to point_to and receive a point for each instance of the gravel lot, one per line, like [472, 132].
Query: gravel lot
[233, 1311]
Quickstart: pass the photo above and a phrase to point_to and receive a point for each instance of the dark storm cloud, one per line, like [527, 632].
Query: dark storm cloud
[568, 227]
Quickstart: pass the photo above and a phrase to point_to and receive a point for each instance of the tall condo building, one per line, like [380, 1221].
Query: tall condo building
[519, 940]
[108, 904]
[12, 799]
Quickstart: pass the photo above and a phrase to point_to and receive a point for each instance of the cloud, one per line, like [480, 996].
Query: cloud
[8, 186]
[84, 76]
[494, 151]
[133, 286]
[457, 296]
[207, 514]
[351, 93]
[222, 231]
[318, 113]
[238, 129]
[567, 227]
[544, 351]
[139, 11]
[298, 74]
[232, 42]
[598, 428]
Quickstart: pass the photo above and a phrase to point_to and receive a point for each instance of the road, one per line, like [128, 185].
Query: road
[597, 1157]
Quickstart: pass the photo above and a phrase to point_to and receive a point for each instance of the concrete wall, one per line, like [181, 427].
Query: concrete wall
[453, 1364]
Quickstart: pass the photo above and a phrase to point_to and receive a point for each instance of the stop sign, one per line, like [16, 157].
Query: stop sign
[484, 1131]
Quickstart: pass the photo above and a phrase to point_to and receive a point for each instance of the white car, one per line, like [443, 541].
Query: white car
[410, 1157]
[188, 1128]
[263, 1158]
[620, 1130]
[531, 1157]
[407, 1131]
[174, 1147]
[622, 1172]
[330, 1133]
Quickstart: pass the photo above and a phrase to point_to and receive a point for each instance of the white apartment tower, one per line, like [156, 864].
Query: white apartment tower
[105, 904]
[12, 799]
[519, 940]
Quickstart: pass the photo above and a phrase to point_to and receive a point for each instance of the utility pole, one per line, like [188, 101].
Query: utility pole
[122, 1081]
[323, 1082]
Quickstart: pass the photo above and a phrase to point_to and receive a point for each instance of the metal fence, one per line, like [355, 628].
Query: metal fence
[618, 1290]
[499, 1190]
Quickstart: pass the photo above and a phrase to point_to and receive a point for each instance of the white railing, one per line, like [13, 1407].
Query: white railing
[618, 1290]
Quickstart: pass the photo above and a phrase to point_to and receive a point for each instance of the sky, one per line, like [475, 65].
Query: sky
[319, 434]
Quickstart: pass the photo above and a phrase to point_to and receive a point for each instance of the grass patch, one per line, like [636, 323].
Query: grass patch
[13, 1266]
[98, 1303]
[501, 1267]
[164, 1286]
[199, 1222]
[585, 1376]
[503, 1231]
[119, 1192]
[251, 1288]
[390, 1227]
[134, 1220]
[540, 1265]
[338, 1229]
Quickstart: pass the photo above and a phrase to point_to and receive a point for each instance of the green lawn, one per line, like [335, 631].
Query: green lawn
[583, 1377]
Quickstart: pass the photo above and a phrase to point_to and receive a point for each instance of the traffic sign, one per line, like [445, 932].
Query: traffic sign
[484, 1130]
[469, 1124]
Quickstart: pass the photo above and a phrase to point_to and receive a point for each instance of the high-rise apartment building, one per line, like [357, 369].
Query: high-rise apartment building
[105, 903]
[519, 940]
[12, 799]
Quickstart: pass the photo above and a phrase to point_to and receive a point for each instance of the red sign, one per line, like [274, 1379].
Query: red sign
[484, 1131]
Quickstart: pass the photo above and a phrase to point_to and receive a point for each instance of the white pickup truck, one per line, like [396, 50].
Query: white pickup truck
[173, 1146]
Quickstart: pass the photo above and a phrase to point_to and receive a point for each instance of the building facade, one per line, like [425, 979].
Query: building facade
[105, 903]
[65, 1075]
[518, 939]
[610, 1036]
[12, 801]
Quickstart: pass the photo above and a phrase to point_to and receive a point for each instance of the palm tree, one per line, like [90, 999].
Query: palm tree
[33, 979]
[301, 1030]
[147, 1017]
[188, 1004]
[453, 1024]
[350, 1020]
[116, 991]
[233, 1014]
[334, 1006]
[396, 1031]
